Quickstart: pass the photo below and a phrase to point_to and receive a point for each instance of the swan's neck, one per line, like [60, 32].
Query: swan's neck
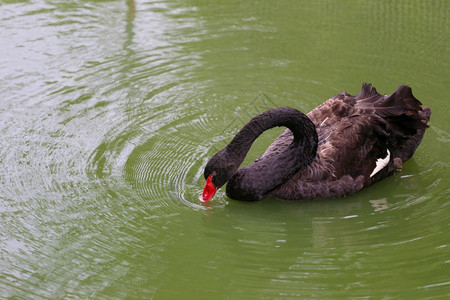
[255, 180]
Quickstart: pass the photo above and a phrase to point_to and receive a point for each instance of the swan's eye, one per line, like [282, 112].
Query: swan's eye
[213, 176]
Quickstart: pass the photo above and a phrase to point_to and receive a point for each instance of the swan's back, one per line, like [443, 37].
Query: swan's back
[362, 139]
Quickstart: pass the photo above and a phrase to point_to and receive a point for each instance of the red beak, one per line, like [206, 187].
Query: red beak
[209, 190]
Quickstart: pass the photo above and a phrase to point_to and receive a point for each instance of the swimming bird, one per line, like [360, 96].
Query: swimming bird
[343, 145]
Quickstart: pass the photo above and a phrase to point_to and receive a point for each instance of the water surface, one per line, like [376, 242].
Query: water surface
[109, 111]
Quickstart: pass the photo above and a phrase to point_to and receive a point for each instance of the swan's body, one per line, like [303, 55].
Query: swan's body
[341, 146]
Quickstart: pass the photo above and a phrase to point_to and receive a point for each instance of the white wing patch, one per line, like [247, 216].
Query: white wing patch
[381, 163]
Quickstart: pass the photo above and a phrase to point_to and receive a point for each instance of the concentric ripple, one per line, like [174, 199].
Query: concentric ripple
[158, 153]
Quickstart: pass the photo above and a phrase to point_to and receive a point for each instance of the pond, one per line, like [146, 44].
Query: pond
[109, 111]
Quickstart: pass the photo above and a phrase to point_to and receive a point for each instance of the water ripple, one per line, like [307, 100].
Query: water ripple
[155, 164]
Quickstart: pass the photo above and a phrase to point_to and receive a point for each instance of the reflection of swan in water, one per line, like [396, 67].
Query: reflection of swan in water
[131, 13]
[379, 204]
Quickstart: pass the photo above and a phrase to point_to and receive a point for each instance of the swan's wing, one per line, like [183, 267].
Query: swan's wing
[368, 125]
[353, 155]
[362, 139]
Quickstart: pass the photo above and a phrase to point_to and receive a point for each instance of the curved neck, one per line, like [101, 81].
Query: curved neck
[271, 170]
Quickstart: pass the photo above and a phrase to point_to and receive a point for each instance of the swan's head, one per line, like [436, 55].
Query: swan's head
[219, 169]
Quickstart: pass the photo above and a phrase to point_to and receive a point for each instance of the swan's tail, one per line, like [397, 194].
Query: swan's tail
[404, 117]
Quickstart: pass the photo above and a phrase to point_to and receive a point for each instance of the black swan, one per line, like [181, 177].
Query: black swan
[341, 146]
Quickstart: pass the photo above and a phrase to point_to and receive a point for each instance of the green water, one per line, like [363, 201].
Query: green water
[109, 111]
